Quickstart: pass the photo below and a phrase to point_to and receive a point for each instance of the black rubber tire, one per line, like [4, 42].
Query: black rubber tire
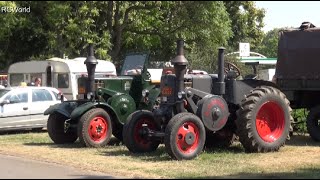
[85, 124]
[247, 114]
[55, 128]
[223, 138]
[313, 123]
[135, 142]
[171, 133]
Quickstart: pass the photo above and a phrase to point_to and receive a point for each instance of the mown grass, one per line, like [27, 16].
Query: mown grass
[300, 158]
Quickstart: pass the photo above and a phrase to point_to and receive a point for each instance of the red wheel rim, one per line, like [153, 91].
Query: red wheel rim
[183, 134]
[138, 136]
[98, 129]
[270, 121]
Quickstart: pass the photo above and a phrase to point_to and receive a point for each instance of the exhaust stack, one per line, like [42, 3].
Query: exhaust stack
[220, 87]
[91, 63]
[180, 67]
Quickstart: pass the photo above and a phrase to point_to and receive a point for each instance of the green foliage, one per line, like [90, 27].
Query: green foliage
[57, 28]
[246, 23]
[269, 45]
[203, 25]
[299, 116]
[75, 26]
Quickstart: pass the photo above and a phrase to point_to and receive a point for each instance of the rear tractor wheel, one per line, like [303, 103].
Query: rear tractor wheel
[58, 129]
[264, 120]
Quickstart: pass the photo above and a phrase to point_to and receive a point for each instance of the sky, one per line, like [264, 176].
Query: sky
[289, 13]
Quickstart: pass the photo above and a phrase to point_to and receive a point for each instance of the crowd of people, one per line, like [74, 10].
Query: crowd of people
[37, 82]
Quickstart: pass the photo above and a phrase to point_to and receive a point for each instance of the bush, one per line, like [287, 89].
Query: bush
[299, 117]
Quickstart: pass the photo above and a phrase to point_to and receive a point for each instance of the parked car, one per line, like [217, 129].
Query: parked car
[23, 107]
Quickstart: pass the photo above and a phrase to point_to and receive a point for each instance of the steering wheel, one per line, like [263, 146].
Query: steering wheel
[230, 67]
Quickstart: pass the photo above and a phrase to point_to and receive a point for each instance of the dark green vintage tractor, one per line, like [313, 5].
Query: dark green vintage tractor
[104, 103]
[198, 110]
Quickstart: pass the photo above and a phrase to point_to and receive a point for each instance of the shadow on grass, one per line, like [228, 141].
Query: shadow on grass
[159, 154]
[117, 148]
[113, 142]
[12, 132]
[235, 148]
[53, 145]
[302, 140]
[305, 173]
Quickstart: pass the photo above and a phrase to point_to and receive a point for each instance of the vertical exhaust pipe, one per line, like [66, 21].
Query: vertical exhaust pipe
[219, 88]
[91, 63]
[180, 67]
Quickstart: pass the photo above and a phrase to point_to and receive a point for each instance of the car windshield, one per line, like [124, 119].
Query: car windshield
[3, 92]
[133, 62]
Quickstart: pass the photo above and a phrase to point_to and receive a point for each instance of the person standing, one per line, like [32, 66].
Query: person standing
[37, 82]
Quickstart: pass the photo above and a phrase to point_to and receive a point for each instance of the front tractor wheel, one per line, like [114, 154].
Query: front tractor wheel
[95, 128]
[264, 120]
[58, 129]
[135, 132]
[185, 136]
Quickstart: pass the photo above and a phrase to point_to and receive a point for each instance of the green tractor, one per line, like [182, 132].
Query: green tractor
[104, 103]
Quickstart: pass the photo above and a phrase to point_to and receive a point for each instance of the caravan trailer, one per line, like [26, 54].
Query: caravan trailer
[56, 72]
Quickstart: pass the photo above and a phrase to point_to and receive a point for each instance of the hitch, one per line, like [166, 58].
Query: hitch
[151, 134]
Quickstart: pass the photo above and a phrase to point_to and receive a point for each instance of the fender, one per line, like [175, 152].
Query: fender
[65, 108]
[80, 110]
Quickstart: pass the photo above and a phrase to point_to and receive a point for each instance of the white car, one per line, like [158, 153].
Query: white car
[23, 107]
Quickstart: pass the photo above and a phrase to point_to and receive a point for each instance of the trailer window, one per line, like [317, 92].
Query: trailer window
[16, 79]
[63, 80]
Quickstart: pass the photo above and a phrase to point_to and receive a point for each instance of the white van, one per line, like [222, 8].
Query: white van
[56, 72]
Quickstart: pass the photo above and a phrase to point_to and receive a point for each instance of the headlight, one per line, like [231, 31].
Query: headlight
[145, 93]
[181, 94]
[99, 92]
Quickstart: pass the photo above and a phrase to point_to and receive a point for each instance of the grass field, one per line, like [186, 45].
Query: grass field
[300, 158]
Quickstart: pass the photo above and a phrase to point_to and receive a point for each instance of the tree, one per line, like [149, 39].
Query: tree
[204, 25]
[116, 27]
[269, 45]
[246, 23]
[75, 24]
[21, 36]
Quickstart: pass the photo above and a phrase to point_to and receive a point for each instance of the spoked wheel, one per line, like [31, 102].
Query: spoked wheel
[95, 128]
[264, 120]
[58, 130]
[313, 123]
[135, 132]
[184, 136]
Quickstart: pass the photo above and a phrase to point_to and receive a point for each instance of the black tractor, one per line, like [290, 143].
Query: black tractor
[199, 110]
